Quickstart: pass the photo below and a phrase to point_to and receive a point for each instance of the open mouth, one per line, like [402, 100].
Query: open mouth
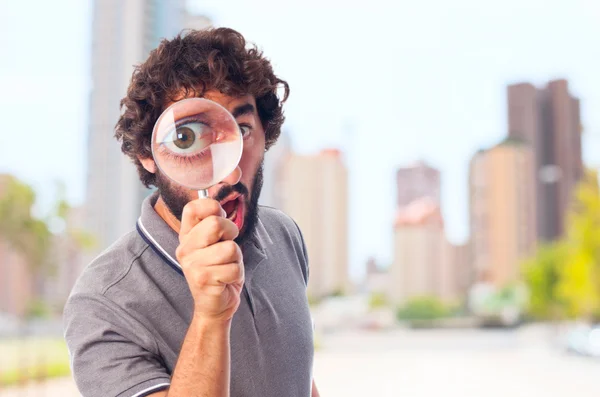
[235, 211]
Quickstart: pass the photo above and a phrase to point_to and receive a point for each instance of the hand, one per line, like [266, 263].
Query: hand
[211, 261]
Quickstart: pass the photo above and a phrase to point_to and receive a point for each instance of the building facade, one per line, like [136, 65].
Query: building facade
[123, 34]
[314, 192]
[502, 211]
[549, 120]
[417, 181]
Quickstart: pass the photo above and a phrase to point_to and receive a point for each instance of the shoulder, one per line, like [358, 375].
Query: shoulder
[277, 224]
[273, 217]
[112, 265]
[285, 233]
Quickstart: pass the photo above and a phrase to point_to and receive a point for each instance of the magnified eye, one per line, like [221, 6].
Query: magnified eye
[184, 137]
[188, 138]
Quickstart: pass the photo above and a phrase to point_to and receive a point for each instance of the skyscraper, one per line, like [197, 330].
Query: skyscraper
[124, 32]
[417, 181]
[502, 211]
[549, 120]
[315, 194]
[419, 247]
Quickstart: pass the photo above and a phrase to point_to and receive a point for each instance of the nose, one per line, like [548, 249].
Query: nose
[230, 179]
[234, 177]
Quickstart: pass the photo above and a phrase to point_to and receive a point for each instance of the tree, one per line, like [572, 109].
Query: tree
[564, 277]
[423, 308]
[23, 232]
[579, 285]
[33, 237]
[542, 276]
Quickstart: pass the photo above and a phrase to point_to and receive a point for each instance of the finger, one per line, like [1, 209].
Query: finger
[220, 253]
[216, 276]
[226, 274]
[208, 232]
[195, 211]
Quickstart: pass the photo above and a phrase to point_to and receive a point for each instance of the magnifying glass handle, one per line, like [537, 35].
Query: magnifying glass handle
[203, 193]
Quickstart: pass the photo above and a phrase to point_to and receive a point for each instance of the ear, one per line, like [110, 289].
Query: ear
[148, 164]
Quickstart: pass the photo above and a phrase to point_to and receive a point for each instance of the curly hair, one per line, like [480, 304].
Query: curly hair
[192, 63]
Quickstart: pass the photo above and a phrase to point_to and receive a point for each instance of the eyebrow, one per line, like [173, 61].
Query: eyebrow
[241, 110]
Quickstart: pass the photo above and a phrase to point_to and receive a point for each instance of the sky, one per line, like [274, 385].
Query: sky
[387, 82]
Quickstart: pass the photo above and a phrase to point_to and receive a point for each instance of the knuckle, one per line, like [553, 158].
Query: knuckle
[201, 277]
[230, 249]
[211, 230]
[213, 206]
[180, 253]
[238, 271]
[213, 224]
[189, 209]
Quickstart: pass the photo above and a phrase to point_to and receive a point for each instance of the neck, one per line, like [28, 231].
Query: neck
[163, 211]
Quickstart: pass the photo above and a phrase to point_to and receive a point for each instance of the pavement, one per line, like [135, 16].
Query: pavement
[419, 363]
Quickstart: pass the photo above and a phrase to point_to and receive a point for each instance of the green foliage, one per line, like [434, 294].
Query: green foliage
[313, 301]
[38, 309]
[564, 278]
[15, 376]
[25, 233]
[580, 276]
[30, 236]
[423, 308]
[30, 359]
[541, 275]
[377, 300]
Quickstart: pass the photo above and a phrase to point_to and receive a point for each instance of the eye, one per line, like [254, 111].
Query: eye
[184, 137]
[188, 138]
[245, 130]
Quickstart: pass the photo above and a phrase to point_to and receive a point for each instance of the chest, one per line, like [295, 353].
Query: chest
[271, 335]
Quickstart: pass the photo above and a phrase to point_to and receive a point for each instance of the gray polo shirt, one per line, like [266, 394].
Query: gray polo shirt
[128, 313]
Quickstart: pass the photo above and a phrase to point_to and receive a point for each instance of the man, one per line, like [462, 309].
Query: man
[207, 296]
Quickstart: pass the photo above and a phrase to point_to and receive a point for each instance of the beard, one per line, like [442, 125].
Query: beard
[176, 197]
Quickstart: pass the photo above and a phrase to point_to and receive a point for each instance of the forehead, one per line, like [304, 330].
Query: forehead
[228, 102]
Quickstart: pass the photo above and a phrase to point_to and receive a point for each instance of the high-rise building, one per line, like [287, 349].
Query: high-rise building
[425, 263]
[315, 194]
[124, 33]
[502, 211]
[549, 120]
[419, 249]
[417, 181]
[455, 273]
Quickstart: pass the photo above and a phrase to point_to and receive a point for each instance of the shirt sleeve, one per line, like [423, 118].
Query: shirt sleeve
[111, 353]
[304, 259]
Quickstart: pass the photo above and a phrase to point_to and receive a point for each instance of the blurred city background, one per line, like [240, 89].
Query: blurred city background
[440, 158]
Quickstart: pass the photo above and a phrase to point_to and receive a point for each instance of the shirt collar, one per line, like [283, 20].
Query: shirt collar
[164, 241]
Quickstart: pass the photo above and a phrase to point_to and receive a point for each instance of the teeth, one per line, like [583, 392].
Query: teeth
[231, 216]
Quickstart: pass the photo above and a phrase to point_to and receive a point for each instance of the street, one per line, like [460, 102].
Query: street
[491, 363]
[406, 363]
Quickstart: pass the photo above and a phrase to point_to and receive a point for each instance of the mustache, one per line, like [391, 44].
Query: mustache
[228, 189]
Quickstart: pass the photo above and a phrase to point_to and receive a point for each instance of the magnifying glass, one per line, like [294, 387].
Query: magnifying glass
[196, 143]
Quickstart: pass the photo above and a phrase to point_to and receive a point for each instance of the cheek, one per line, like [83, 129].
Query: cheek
[252, 155]
[249, 165]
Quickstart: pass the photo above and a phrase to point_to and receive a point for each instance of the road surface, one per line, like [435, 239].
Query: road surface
[428, 363]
